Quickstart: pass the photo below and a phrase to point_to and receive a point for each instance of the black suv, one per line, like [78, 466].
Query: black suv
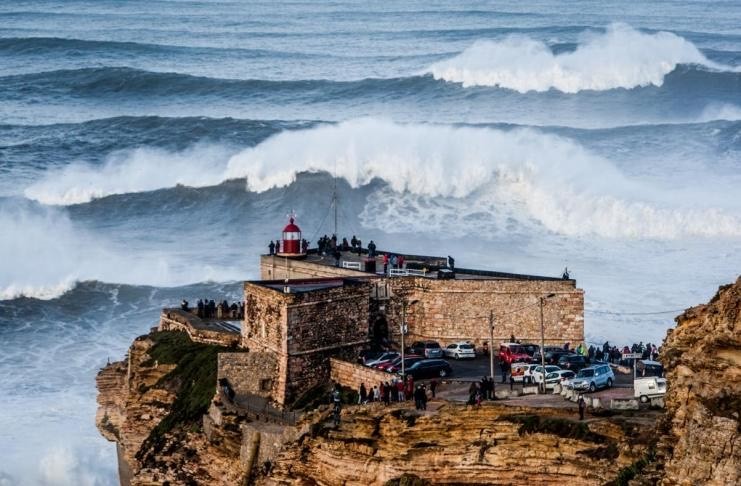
[428, 368]
[572, 362]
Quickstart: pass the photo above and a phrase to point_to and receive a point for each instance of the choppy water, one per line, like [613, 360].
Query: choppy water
[151, 145]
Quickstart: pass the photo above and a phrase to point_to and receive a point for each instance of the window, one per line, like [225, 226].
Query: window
[266, 384]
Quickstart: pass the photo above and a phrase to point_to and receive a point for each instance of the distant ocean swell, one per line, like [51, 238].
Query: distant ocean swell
[572, 191]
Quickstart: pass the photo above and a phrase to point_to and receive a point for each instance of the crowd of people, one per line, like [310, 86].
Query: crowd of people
[614, 354]
[397, 390]
[210, 309]
[481, 390]
[274, 246]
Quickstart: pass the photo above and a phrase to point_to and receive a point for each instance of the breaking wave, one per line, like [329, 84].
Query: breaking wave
[539, 177]
[46, 254]
[621, 57]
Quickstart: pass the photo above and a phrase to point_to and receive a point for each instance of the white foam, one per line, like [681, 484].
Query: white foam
[138, 170]
[721, 111]
[539, 177]
[536, 176]
[621, 57]
[45, 254]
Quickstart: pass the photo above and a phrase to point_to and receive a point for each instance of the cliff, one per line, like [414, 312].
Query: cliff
[462, 445]
[152, 406]
[700, 442]
[162, 409]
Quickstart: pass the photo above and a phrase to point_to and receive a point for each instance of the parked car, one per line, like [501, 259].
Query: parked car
[647, 388]
[368, 355]
[530, 349]
[387, 356]
[428, 349]
[537, 373]
[523, 372]
[556, 377]
[395, 365]
[428, 368]
[645, 367]
[459, 350]
[593, 377]
[512, 353]
[551, 355]
[573, 362]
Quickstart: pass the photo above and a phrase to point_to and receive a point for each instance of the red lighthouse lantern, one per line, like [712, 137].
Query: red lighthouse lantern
[290, 245]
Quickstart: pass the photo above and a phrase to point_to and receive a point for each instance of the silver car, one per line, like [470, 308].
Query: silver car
[592, 378]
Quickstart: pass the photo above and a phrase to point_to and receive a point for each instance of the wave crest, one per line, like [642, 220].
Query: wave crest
[536, 177]
[621, 57]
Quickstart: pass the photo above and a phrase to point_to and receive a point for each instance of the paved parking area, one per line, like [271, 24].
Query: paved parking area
[475, 369]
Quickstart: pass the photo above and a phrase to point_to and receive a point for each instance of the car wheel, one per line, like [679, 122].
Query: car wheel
[443, 373]
[592, 388]
[609, 383]
[644, 399]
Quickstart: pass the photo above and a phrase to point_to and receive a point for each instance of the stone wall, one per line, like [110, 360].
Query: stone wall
[352, 374]
[199, 330]
[277, 268]
[250, 373]
[453, 310]
[305, 329]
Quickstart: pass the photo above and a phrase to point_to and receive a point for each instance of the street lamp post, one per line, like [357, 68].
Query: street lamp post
[491, 345]
[542, 339]
[403, 332]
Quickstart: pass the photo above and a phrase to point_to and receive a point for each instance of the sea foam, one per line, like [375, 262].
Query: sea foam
[542, 178]
[621, 57]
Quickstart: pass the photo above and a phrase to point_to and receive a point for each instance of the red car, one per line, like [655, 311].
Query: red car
[395, 365]
[513, 353]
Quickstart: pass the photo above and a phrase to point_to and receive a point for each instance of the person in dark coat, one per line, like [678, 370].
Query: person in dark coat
[433, 387]
[271, 247]
[363, 394]
[582, 407]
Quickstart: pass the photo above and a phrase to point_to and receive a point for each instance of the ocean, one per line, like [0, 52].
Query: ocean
[149, 150]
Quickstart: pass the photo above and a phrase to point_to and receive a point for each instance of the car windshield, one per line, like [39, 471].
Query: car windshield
[585, 373]
[466, 346]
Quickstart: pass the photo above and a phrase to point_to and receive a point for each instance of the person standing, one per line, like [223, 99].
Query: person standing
[271, 247]
[363, 394]
[582, 406]
[433, 387]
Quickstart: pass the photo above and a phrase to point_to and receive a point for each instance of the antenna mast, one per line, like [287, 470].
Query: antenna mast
[334, 198]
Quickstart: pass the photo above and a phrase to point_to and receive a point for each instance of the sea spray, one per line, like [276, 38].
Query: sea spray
[621, 57]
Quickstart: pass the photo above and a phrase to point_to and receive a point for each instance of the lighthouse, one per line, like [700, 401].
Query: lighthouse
[290, 245]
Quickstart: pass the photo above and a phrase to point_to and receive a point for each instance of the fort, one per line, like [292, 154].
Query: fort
[240, 397]
[312, 306]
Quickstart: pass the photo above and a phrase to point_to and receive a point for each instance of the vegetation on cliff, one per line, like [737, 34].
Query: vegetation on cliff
[194, 379]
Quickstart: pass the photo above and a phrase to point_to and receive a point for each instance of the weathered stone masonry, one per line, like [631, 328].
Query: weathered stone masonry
[303, 329]
[454, 310]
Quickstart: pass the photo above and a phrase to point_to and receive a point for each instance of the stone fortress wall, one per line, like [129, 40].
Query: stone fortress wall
[458, 309]
[304, 329]
[353, 374]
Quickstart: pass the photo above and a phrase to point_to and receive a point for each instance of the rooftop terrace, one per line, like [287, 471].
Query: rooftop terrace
[414, 265]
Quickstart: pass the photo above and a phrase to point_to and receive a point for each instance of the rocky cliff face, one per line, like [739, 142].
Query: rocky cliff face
[700, 441]
[462, 445]
[149, 406]
[153, 406]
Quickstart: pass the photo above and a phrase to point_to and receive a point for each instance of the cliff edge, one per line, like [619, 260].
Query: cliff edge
[700, 442]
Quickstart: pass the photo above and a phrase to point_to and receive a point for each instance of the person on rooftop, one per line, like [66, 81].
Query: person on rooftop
[271, 247]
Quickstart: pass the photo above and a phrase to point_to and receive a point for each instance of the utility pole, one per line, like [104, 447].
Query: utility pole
[403, 331]
[542, 338]
[491, 345]
[542, 342]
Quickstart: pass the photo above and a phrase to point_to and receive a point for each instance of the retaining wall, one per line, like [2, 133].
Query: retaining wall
[352, 374]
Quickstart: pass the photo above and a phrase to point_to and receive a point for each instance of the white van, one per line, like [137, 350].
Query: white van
[649, 387]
